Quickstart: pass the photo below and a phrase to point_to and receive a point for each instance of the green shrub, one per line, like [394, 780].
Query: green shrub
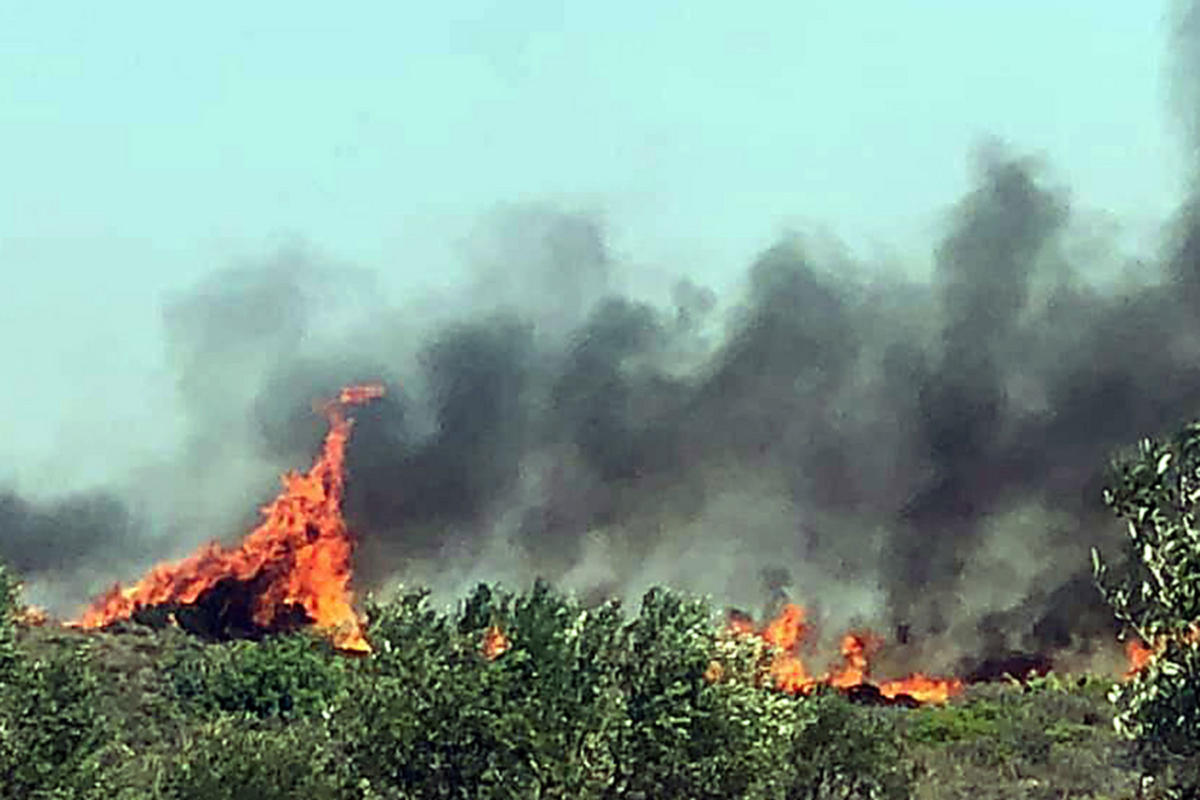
[435, 718]
[243, 759]
[580, 703]
[1156, 594]
[51, 730]
[842, 750]
[1018, 726]
[686, 735]
[583, 704]
[947, 724]
[8, 624]
[293, 675]
[1051, 739]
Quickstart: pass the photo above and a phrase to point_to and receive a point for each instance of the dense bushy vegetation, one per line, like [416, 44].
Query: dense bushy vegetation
[286, 676]
[577, 703]
[51, 729]
[8, 626]
[583, 703]
[1156, 594]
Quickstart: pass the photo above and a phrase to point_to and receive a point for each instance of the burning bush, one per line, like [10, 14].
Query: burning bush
[292, 570]
[1156, 490]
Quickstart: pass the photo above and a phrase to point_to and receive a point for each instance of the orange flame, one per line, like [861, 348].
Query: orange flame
[855, 649]
[297, 558]
[495, 643]
[787, 631]
[1138, 654]
[922, 688]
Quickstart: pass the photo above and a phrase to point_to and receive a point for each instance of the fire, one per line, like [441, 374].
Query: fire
[495, 643]
[786, 633]
[1138, 653]
[359, 394]
[922, 688]
[31, 616]
[297, 559]
[855, 649]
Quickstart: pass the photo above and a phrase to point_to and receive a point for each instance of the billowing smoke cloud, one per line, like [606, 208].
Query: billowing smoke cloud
[55, 537]
[922, 455]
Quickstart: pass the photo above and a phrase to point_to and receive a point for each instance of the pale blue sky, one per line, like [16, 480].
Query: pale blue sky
[143, 145]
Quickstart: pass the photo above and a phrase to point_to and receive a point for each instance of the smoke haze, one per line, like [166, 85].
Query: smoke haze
[917, 454]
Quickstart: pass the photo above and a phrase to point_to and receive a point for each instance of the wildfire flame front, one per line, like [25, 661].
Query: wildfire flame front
[297, 558]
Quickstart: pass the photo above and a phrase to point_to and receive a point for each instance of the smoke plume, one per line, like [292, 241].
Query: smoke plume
[926, 456]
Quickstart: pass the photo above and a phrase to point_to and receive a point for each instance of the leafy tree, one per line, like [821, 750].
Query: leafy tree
[51, 730]
[293, 675]
[687, 735]
[842, 750]
[1156, 594]
[437, 717]
[8, 623]
[231, 758]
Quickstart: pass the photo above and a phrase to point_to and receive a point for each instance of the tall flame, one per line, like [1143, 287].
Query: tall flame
[785, 633]
[297, 558]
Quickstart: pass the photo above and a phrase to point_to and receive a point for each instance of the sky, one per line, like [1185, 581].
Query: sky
[145, 146]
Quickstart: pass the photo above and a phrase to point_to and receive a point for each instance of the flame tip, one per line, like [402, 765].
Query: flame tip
[299, 553]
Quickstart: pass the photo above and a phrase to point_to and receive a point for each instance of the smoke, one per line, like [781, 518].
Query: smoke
[922, 455]
[58, 546]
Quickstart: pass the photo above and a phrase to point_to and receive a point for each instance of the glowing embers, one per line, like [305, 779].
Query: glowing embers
[291, 571]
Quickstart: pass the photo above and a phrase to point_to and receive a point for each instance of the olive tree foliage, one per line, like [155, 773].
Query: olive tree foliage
[1155, 593]
[583, 703]
[51, 731]
[8, 623]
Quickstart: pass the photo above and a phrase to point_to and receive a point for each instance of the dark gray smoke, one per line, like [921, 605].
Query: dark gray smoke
[91, 528]
[920, 454]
